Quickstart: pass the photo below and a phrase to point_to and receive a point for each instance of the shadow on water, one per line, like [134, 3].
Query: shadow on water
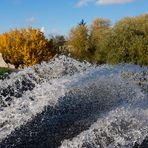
[64, 121]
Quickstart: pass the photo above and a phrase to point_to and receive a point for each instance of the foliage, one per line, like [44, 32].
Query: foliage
[125, 42]
[129, 41]
[58, 43]
[25, 47]
[98, 34]
[83, 23]
[3, 70]
[78, 43]
[88, 43]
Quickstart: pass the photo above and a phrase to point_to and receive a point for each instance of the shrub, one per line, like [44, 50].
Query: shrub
[25, 47]
[3, 70]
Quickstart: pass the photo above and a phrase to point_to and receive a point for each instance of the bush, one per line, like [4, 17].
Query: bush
[25, 47]
[3, 70]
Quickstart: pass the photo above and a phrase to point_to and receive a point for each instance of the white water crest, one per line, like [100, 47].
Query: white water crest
[108, 103]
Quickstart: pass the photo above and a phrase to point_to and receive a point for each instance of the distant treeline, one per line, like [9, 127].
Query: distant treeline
[125, 42]
[99, 42]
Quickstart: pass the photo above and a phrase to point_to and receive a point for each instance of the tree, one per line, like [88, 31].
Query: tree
[58, 42]
[129, 41]
[82, 23]
[78, 42]
[25, 47]
[98, 32]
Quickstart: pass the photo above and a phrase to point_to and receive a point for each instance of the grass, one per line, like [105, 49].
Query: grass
[4, 70]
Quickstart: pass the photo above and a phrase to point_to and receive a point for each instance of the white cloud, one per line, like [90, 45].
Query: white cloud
[102, 2]
[108, 2]
[30, 20]
[83, 3]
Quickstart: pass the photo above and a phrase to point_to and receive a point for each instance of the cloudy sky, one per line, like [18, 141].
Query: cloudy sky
[58, 16]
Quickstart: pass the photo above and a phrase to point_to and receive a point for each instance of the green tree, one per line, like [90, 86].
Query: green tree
[58, 42]
[82, 23]
[129, 41]
[98, 35]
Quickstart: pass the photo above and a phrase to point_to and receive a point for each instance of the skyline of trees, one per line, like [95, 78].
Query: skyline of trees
[98, 42]
[125, 42]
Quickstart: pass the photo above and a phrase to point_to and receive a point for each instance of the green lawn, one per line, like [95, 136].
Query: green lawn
[3, 70]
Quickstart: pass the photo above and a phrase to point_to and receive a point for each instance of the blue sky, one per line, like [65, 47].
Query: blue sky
[59, 16]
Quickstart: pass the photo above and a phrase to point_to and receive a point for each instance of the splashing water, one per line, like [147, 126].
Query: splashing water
[90, 106]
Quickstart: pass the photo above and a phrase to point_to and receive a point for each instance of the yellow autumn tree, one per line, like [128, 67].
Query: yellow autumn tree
[25, 47]
[10, 47]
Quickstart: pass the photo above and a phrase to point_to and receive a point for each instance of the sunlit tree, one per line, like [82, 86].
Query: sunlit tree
[78, 41]
[129, 41]
[25, 47]
[98, 31]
